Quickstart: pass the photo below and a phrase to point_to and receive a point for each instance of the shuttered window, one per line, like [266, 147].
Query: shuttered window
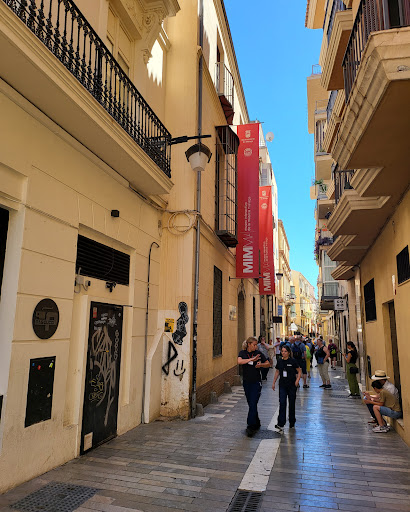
[217, 313]
[403, 265]
[369, 301]
[102, 262]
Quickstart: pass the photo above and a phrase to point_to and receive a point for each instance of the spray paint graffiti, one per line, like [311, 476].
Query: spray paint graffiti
[179, 372]
[172, 354]
[179, 335]
[101, 347]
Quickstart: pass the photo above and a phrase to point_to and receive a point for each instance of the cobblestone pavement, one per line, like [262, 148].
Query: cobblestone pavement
[330, 461]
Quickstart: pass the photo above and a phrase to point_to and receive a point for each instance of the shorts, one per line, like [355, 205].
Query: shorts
[386, 411]
[302, 364]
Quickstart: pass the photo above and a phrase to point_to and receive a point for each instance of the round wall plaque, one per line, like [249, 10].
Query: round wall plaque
[45, 319]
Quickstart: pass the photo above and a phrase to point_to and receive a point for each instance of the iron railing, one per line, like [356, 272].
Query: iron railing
[331, 104]
[338, 5]
[316, 69]
[342, 181]
[320, 136]
[372, 16]
[60, 25]
[224, 82]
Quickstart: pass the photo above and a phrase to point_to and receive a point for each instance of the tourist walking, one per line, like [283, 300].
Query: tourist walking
[290, 373]
[332, 348]
[352, 370]
[308, 356]
[322, 358]
[252, 361]
[263, 348]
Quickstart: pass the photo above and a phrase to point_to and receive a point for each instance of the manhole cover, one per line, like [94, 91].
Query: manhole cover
[55, 497]
[266, 434]
[245, 501]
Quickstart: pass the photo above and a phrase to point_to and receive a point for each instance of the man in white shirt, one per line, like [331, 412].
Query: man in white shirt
[388, 386]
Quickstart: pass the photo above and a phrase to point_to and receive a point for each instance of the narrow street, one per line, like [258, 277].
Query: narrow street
[331, 461]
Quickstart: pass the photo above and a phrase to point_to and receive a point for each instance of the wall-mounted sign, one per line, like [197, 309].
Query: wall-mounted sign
[45, 319]
[232, 312]
[277, 319]
[169, 325]
[340, 304]
[280, 310]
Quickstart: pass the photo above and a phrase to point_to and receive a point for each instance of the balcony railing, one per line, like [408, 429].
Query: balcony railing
[320, 136]
[342, 181]
[372, 16]
[67, 34]
[224, 82]
[338, 5]
[331, 104]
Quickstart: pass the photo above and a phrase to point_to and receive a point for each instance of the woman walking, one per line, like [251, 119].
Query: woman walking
[290, 373]
[352, 370]
[252, 361]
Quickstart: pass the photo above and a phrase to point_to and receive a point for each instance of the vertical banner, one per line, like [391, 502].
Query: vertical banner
[247, 250]
[267, 281]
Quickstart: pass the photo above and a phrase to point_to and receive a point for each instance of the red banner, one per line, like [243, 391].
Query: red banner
[247, 250]
[267, 281]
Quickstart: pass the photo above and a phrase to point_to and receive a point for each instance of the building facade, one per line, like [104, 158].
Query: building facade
[304, 308]
[116, 305]
[365, 72]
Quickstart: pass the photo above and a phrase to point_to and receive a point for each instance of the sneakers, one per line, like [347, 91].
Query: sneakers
[292, 426]
[305, 386]
[323, 386]
[279, 429]
[380, 429]
[372, 422]
[328, 386]
[250, 432]
[354, 396]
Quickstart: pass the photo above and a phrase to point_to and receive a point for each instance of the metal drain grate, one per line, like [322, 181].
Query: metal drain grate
[55, 497]
[266, 434]
[245, 501]
[336, 395]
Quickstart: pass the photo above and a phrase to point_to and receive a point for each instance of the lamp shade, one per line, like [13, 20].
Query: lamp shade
[198, 156]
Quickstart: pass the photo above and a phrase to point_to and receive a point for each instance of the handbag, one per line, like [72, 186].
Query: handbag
[354, 369]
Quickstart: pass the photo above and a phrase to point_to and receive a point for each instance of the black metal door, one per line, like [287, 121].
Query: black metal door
[102, 375]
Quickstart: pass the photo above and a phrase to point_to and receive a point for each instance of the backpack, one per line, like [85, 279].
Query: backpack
[297, 352]
[308, 354]
[333, 350]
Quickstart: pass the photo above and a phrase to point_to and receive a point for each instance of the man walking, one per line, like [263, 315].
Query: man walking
[299, 353]
[322, 357]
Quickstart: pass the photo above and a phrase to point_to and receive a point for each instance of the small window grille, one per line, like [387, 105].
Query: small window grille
[369, 301]
[226, 174]
[403, 265]
[102, 262]
[217, 313]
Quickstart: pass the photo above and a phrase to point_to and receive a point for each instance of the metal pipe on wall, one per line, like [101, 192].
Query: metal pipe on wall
[198, 220]
[146, 336]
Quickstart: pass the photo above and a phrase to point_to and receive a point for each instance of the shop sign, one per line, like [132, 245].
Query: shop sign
[45, 319]
[247, 250]
[340, 304]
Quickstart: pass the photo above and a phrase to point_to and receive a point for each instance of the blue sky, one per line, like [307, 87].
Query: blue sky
[275, 53]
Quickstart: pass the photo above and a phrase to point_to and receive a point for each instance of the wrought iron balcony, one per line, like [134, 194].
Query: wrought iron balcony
[224, 85]
[372, 16]
[342, 179]
[338, 5]
[331, 104]
[67, 34]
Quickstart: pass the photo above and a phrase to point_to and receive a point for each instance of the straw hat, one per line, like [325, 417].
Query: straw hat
[380, 375]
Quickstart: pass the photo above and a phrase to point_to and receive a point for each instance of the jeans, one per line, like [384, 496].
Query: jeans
[252, 393]
[287, 391]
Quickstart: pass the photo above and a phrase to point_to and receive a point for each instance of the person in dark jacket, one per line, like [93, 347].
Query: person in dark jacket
[252, 361]
[351, 358]
[290, 373]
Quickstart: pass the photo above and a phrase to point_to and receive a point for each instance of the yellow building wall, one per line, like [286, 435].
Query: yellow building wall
[380, 264]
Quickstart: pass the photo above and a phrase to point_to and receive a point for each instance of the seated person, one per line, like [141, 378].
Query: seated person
[382, 404]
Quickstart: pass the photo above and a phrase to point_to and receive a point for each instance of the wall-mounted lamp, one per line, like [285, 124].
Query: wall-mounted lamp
[279, 275]
[198, 156]
[110, 285]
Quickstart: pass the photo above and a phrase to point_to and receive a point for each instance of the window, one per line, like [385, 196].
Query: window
[254, 315]
[226, 168]
[369, 301]
[217, 313]
[403, 265]
[4, 224]
[119, 43]
[330, 286]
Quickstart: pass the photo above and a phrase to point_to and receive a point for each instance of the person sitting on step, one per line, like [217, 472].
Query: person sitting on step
[382, 404]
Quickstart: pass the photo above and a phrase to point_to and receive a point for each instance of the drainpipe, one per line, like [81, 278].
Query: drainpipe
[146, 337]
[198, 220]
[359, 324]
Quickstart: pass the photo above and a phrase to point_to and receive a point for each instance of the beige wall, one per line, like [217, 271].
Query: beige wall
[380, 264]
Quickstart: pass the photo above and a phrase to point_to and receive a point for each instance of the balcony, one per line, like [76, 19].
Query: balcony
[337, 34]
[343, 272]
[334, 112]
[375, 127]
[60, 65]
[342, 180]
[224, 85]
[330, 292]
[347, 249]
[315, 13]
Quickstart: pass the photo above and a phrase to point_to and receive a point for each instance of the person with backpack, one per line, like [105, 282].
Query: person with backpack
[332, 348]
[322, 358]
[299, 353]
[290, 372]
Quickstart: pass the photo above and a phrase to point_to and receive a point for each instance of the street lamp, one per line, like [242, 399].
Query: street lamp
[198, 156]
[279, 276]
